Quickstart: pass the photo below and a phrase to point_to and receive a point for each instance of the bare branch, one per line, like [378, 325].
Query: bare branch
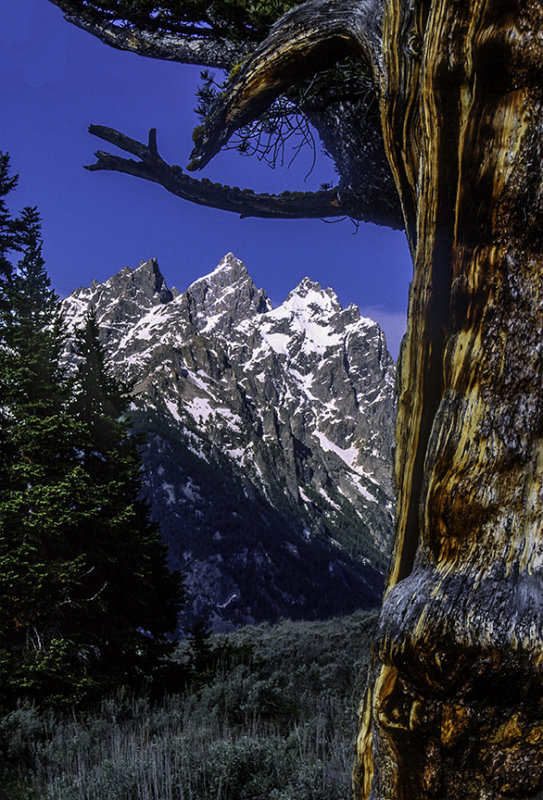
[194, 47]
[151, 167]
[311, 36]
[307, 39]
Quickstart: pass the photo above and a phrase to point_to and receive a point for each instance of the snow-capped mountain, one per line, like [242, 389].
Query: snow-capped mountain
[269, 435]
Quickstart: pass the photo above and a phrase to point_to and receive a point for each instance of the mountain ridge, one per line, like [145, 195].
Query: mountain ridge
[268, 437]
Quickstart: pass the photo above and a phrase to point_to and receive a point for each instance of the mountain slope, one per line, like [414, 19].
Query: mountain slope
[269, 434]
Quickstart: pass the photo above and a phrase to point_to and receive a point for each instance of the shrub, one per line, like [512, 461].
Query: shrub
[276, 720]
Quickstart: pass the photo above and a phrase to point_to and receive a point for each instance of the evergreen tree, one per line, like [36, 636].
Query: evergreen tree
[201, 652]
[9, 227]
[86, 598]
[41, 480]
[129, 577]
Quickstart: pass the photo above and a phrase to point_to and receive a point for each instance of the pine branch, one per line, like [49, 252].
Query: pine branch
[194, 46]
[307, 39]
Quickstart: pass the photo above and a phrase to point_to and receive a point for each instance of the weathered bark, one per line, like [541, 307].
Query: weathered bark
[455, 704]
[455, 708]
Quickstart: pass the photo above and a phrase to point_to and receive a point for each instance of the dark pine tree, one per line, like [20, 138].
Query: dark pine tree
[9, 227]
[85, 596]
[202, 654]
[136, 598]
[41, 483]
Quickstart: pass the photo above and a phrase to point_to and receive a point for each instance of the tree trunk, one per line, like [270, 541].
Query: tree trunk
[455, 703]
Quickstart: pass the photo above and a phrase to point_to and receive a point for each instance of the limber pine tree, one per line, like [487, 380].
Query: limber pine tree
[448, 144]
[86, 599]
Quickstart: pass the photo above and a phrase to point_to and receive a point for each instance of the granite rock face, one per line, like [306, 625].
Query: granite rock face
[269, 436]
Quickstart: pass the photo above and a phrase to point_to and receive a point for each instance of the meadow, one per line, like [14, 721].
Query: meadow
[267, 712]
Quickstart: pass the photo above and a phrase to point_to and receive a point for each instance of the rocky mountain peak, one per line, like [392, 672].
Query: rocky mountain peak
[310, 300]
[144, 285]
[310, 321]
[321, 306]
[308, 287]
[149, 279]
[127, 295]
[219, 301]
[268, 437]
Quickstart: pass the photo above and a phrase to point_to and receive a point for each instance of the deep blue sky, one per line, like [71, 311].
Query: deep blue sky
[56, 79]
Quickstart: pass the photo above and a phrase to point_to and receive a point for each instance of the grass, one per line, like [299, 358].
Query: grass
[272, 716]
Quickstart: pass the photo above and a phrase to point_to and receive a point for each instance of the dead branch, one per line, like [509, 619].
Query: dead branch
[151, 167]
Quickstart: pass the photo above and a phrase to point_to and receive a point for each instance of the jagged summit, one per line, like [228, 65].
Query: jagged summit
[126, 295]
[310, 301]
[229, 270]
[219, 301]
[311, 321]
[148, 278]
[308, 288]
[323, 303]
[269, 434]
[145, 280]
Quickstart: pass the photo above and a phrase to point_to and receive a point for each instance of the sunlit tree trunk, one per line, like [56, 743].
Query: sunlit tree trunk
[455, 704]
